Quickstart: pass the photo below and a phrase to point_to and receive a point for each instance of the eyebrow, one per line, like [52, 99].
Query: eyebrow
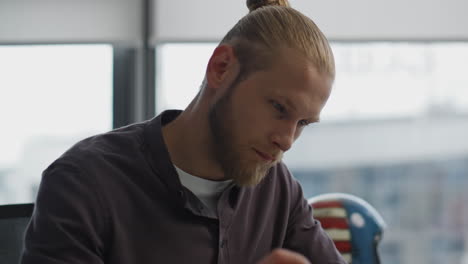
[289, 104]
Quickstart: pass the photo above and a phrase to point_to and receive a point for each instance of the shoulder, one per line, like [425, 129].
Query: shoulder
[85, 168]
[280, 187]
[126, 137]
[118, 143]
[281, 177]
[286, 187]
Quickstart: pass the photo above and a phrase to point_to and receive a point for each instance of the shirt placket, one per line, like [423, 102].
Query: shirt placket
[225, 215]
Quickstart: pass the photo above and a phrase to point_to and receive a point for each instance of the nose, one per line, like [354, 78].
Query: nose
[284, 137]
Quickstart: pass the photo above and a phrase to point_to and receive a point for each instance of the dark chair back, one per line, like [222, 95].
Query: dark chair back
[13, 221]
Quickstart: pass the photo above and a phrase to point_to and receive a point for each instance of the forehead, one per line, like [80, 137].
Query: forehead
[293, 78]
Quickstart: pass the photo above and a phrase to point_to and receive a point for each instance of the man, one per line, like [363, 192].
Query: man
[205, 185]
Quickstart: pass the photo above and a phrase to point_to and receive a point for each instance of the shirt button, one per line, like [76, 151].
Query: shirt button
[181, 193]
[222, 243]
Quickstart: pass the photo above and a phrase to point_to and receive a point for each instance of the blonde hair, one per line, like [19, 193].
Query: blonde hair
[272, 25]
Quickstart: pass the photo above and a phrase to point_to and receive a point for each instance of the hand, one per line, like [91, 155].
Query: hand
[284, 256]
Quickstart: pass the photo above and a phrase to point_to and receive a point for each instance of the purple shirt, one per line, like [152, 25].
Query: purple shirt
[116, 198]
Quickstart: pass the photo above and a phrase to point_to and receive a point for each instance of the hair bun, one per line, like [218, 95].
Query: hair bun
[255, 4]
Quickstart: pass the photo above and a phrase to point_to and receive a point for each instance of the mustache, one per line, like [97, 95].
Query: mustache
[274, 154]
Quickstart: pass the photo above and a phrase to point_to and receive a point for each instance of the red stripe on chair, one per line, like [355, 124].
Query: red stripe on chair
[327, 204]
[333, 222]
[343, 246]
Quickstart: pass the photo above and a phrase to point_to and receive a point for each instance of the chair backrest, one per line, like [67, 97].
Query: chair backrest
[13, 221]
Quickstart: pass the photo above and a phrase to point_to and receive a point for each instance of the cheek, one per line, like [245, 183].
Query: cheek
[252, 126]
[253, 118]
[298, 133]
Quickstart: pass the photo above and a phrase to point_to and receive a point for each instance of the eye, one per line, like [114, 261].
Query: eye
[279, 107]
[303, 123]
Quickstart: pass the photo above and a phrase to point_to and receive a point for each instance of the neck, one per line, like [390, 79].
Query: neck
[189, 142]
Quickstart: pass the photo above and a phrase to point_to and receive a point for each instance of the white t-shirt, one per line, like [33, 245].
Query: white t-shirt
[206, 190]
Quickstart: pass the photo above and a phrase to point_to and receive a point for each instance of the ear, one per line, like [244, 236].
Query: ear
[222, 66]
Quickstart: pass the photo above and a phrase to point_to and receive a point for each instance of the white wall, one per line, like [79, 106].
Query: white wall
[65, 21]
[201, 20]
[119, 21]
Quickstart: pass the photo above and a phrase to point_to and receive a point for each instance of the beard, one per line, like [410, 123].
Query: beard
[226, 148]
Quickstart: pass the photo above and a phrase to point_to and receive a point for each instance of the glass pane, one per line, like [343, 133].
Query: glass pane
[374, 80]
[393, 133]
[174, 61]
[388, 80]
[50, 97]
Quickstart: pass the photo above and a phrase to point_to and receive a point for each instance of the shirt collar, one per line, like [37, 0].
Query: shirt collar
[158, 154]
[160, 161]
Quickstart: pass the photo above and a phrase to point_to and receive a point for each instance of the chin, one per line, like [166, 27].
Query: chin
[250, 176]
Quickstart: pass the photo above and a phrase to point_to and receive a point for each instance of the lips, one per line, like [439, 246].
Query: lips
[264, 155]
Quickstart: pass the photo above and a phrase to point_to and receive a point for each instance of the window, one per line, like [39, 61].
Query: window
[393, 133]
[50, 97]
[175, 61]
[374, 80]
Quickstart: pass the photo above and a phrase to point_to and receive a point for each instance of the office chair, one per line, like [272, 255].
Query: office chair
[353, 224]
[13, 221]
